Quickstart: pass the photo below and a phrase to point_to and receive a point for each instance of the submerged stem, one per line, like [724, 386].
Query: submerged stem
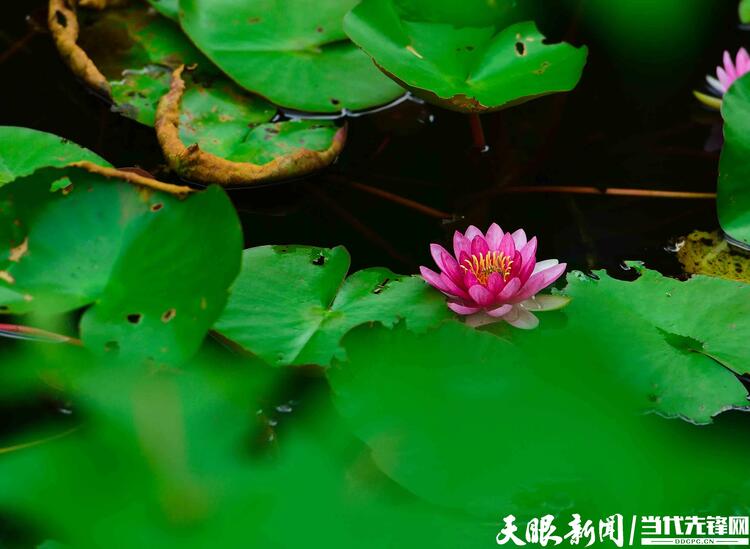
[611, 191]
[29, 332]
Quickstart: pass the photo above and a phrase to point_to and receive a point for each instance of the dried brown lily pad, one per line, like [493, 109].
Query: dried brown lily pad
[198, 165]
[710, 254]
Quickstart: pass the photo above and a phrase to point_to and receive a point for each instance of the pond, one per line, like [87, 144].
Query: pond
[296, 360]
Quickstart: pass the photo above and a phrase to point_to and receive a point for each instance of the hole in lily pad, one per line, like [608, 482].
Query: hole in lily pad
[156, 207]
[520, 49]
[335, 101]
[381, 286]
[134, 318]
[168, 315]
[112, 347]
[320, 260]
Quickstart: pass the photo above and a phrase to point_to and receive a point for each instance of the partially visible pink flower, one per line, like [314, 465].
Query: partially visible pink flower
[495, 276]
[726, 75]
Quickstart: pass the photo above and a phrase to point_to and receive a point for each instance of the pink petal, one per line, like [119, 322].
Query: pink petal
[481, 295]
[539, 281]
[470, 280]
[724, 78]
[510, 290]
[507, 246]
[729, 66]
[451, 267]
[453, 288]
[500, 311]
[437, 252]
[743, 62]
[472, 232]
[433, 279]
[479, 246]
[462, 309]
[495, 283]
[494, 236]
[528, 260]
[521, 318]
[516, 265]
[461, 244]
[519, 239]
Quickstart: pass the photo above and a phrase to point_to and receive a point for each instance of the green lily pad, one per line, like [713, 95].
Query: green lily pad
[467, 420]
[164, 459]
[471, 68]
[167, 317]
[293, 304]
[294, 53]
[733, 191]
[744, 11]
[168, 8]
[25, 150]
[122, 248]
[469, 13]
[667, 340]
[717, 326]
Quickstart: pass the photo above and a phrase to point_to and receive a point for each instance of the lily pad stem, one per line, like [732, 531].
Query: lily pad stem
[477, 133]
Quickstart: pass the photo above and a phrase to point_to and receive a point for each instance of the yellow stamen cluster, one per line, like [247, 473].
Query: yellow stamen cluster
[483, 266]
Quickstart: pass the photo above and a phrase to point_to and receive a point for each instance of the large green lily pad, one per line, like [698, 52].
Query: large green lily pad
[733, 200]
[293, 304]
[466, 68]
[122, 249]
[70, 239]
[468, 420]
[709, 315]
[25, 150]
[137, 50]
[294, 53]
[160, 299]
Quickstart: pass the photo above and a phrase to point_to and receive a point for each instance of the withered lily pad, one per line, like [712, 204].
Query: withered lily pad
[467, 68]
[212, 146]
[128, 54]
[294, 53]
[710, 254]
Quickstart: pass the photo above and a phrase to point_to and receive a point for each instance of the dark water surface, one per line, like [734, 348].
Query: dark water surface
[628, 124]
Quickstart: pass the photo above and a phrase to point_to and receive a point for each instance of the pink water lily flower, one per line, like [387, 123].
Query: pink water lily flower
[726, 75]
[495, 277]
